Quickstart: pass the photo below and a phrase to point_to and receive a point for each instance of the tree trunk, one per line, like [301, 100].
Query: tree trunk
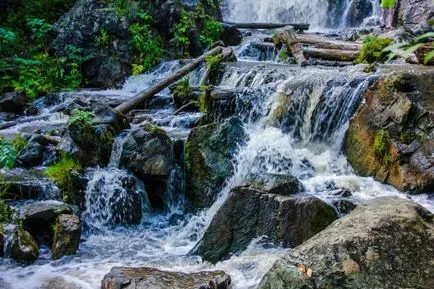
[141, 97]
[297, 26]
[322, 42]
[331, 54]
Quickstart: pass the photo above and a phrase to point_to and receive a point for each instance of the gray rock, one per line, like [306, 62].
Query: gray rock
[249, 213]
[359, 10]
[23, 247]
[13, 102]
[386, 243]
[231, 36]
[2, 241]
[150, 278]
[278, 184]
[67, 230]
[31, 155]
[209, 153]
[413, 13]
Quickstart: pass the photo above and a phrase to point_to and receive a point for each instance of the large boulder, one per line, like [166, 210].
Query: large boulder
[210, 150]
[149, 153]
[249, 213]
[23, 247]
[392, 135]
[82, 26]
[358, 11]
[94, 139]
[67, 230]
[386, 243]
[413, 13]
[39, 217]
[150, 278]
[13, 102]
[20, 184]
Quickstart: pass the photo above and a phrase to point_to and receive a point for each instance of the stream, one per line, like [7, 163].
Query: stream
[305, 130]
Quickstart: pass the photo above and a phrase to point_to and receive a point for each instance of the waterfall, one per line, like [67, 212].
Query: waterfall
[113, 197]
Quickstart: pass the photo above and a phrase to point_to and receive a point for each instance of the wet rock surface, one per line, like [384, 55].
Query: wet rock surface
[149, 278]
[249, 213]
[279, 184]
[209, 153]
[67, 230]
[358, 10]
[381, 244]
[413, 13]
[23, 247]
[13, 102]
[392, 137]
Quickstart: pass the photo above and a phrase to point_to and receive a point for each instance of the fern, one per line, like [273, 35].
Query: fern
[8, 154]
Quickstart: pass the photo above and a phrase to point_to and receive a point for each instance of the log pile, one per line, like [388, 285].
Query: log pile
[305, 46]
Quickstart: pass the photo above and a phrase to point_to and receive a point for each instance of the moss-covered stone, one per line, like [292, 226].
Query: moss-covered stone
[208, 155]
[66, 232]
[392, 135]
[23, 247]
[381, 244]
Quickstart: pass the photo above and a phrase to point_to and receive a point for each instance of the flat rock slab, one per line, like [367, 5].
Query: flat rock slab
[150, 278]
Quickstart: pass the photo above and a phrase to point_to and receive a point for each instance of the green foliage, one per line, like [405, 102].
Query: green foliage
[145, 45]
[103, 39]
[8, 154]
[372, 49]
[406, 49]
[5, 214]
[7, 38]
[154, 130]
[381, 146]
[122, 7]
[60, 173]
[19, 143]
[81, 117]
[181, 31]
[204, 101]
[39, 28]
[182, 92]
[213, 63]
[212, 31]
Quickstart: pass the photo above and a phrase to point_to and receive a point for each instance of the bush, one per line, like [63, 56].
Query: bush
[8, 154]
[60, 173]
[19, 143]
[181, 31]
[372, 49]
[145, 45]
[81, 117]
[212, 31]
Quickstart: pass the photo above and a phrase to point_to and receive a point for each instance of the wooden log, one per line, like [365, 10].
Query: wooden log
[289, 37]
[141, 97]
[227, 54]
[297, 26]
[322, 42]
[331, 54]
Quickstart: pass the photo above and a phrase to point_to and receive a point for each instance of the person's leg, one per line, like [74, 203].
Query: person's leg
[392, 16]
[384, 16]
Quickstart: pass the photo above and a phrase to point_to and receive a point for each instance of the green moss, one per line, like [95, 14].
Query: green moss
[381, 147]
[372, 49]
[204, 101]
[19, 143]
[81, 118]
[154, 130]
[60, 173]
[283, 55]
[182, 92]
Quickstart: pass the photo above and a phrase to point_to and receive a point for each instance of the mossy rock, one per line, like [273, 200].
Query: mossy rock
[66, 232]
[23, 247]
[210, 150]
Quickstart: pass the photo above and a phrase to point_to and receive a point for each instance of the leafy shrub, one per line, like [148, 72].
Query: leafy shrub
[145, 45]
[7, 37]
[181, 31]
[60, 173]
[103, 39]
[8, 154]
[19, 143]
[182, 92]
[212, 31]
[81, 117]
[405, 49]
[372, 49]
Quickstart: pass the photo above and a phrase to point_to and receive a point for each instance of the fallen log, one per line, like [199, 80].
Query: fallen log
[289, 37]
[297, 26]
[331, 54]
[141, 97]
[322, 42]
